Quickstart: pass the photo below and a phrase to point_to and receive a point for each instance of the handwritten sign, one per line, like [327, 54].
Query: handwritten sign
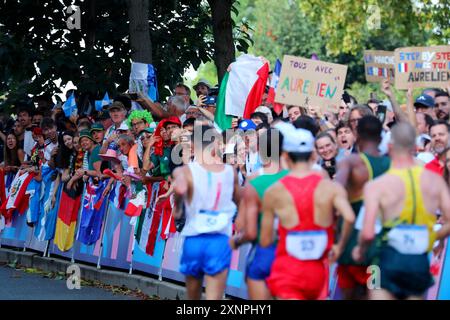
[305, 82]
[422, 67]
[379, 65]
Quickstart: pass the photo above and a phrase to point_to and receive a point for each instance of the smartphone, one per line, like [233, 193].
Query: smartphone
[209, 100]
[381, 112]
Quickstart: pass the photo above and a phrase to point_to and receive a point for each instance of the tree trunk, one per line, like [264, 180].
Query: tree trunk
[223, 35]
[140, 43]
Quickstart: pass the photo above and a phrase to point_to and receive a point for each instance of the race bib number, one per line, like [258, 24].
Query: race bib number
[208, 221]
[409, 239]
[360, 220]
[306, 245]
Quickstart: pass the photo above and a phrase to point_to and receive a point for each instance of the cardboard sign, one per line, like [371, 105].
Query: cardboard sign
[379, 65]
[305, 82]
[422, 67]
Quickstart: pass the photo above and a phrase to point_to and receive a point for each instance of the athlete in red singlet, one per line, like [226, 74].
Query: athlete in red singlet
[304, 203]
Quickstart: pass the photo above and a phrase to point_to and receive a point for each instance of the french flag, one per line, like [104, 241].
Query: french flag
[403, 67]
[278, 107]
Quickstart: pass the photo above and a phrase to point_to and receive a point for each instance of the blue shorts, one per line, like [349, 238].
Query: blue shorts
[205, 254]
[260, 261]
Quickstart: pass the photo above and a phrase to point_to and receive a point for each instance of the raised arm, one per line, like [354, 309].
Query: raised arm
[154, 107]
[399, 114]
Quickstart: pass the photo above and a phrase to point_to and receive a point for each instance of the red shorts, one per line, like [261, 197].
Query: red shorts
[350, 277]
[300, 280]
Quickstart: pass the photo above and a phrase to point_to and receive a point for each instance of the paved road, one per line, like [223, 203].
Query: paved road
[19, 285]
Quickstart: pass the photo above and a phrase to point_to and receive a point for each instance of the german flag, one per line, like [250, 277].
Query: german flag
[67, 220]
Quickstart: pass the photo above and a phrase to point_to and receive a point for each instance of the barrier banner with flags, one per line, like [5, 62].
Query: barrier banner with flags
[94, 206]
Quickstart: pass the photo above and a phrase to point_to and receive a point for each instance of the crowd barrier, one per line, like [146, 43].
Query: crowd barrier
[117, 248]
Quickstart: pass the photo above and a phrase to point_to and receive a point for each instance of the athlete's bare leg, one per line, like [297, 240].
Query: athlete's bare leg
[193, 288]
[215, 285]
[380, 294]
[257, 290]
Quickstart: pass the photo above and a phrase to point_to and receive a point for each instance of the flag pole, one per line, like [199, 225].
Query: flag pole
[130, 271]
[105, 220]
[77, 226]
[31, 238]
[46, 248]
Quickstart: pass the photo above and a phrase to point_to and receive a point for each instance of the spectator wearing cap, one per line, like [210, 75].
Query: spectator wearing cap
[202, 87]
[252, 158]
[92, 150]
[118, 113]
[170, 125]
[104, 118]
[425, 104]
[98, 132]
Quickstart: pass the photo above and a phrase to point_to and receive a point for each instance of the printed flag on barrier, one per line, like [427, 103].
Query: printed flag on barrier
[17, 199]
[91, 217]
[45, 227]
[34, 192]
[67, 219]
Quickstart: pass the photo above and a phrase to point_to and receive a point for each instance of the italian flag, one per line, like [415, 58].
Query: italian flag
[241, 89]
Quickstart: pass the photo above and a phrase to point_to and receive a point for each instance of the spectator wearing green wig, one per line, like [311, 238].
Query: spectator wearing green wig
[138, 121]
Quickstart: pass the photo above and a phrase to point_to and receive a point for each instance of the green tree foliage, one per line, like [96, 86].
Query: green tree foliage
[36, 48]
[350, 26]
